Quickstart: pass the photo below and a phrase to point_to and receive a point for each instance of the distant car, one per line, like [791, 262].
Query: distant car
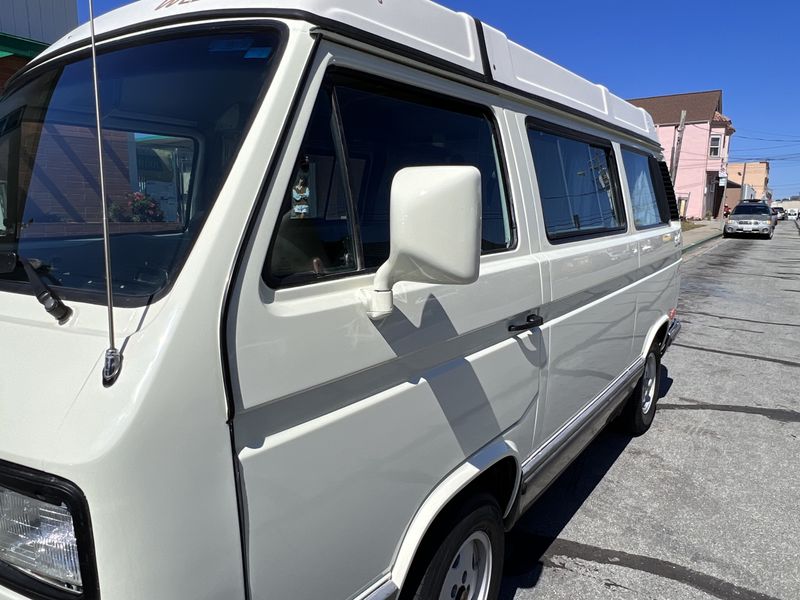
[751, 218]
[791, 214]
[780, 212]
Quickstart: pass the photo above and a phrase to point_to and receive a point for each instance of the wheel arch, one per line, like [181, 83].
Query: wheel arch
[495, 468]
[658, 332]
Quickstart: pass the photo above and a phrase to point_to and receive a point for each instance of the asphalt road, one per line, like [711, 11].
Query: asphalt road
[707, 503]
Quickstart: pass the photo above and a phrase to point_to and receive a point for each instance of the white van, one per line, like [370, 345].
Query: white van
[379, 274]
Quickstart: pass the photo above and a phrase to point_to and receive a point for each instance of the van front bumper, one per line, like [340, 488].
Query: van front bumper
[672, 333]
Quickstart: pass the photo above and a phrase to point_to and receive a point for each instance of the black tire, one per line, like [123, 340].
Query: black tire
[639, 411]
[479, 516]
[725, 234]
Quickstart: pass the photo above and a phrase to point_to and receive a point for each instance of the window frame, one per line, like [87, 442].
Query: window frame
[718, 147]
[336, 75]
[619, 203]
[658, 184]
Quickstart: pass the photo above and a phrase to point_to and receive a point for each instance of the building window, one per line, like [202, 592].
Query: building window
[715, 146]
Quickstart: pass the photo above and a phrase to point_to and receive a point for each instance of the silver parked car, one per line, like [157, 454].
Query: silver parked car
[751, 218]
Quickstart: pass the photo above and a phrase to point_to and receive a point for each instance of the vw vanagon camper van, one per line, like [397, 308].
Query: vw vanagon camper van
[377, 275]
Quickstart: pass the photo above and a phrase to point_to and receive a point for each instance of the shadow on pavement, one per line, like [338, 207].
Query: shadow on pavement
[666, 382]
[528, 543]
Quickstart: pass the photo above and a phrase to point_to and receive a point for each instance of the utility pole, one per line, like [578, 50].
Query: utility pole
[676, 151]
[744, 189]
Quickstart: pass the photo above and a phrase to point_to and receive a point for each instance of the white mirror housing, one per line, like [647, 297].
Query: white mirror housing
[435, 232]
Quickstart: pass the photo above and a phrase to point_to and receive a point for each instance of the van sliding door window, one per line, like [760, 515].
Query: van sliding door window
[647, 210]
[578, 190]
[335, 214]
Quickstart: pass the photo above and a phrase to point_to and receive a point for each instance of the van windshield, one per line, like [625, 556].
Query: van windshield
[174, 112]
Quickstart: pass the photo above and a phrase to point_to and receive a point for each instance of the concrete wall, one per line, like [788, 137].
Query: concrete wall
[39, 20]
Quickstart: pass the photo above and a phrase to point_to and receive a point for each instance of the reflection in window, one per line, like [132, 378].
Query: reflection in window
[161, 179]
[170, 138]
[575, 185]
[3, 207]
[646, 211]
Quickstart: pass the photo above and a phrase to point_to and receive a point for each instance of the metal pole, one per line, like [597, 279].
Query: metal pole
[113, 358]
[744, 174]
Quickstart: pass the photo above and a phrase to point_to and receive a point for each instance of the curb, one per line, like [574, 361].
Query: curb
[701, 242]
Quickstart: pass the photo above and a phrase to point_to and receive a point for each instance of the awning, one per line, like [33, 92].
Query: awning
[17, 46]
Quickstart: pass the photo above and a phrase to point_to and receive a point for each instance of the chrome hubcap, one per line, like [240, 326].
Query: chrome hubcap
[470, 570]
[649, 383]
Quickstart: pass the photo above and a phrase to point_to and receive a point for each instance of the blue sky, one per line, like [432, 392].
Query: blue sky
[749, 50]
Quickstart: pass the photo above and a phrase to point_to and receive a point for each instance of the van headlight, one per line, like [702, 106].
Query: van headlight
[45, 539]
[39, 538]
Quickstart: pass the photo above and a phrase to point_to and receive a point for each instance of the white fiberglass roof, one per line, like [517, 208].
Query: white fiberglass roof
[420, 25]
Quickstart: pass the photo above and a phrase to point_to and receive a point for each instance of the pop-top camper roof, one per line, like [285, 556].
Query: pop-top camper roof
[426, 30]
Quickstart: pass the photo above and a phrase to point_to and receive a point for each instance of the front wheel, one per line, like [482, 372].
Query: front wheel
[468, 564]
[641, 407]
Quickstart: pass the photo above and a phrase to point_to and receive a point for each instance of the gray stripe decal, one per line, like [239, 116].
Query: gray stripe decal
[287, 412]
[568, 304]
[295, 409]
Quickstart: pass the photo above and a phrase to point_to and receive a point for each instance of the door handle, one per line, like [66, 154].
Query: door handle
[531, 322]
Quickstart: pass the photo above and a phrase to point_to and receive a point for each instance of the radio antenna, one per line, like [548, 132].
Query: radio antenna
[113, 358]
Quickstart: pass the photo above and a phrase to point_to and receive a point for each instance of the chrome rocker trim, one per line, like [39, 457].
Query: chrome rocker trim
[552, 457]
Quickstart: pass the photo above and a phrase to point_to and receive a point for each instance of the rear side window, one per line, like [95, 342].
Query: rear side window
[578, 190]
[335, 214]
[647, 210]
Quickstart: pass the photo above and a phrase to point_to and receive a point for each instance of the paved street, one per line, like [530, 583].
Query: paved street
[706, 505]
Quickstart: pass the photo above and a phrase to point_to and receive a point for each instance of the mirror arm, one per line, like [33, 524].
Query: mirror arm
[379, 299]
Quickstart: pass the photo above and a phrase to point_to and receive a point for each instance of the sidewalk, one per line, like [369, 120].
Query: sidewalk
[705, 230]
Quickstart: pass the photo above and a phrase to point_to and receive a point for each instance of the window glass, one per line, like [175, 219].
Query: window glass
[751, 209]
[715, 144]
[315, 236]
[576, 185]
[3, 207]
[381, 129]
[170, 138]
[646, 209]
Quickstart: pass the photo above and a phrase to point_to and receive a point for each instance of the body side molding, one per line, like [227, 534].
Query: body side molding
[385, 591]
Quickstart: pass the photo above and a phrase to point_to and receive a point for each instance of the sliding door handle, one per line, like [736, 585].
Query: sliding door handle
[531, 322]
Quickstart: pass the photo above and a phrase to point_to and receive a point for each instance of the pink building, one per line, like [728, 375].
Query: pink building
[703, 158]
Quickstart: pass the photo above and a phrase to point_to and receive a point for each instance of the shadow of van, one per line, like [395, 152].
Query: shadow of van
[527, 545]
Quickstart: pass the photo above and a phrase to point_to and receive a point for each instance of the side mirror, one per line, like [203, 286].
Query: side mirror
[435, 232]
